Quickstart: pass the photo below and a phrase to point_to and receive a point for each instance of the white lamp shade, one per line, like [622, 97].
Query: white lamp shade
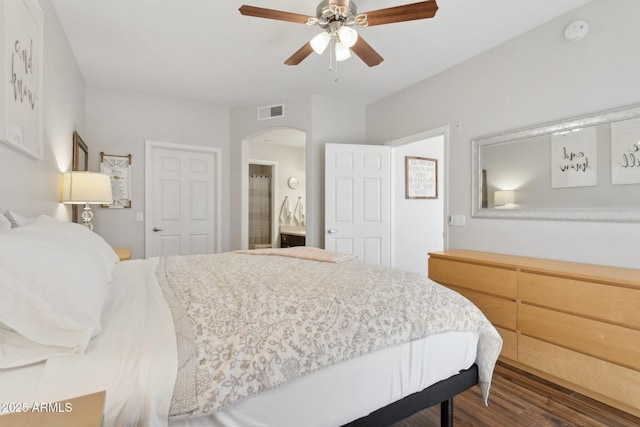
[348, 36]
[342, 52]
[320, 42]
[502, 197]
[86, 188]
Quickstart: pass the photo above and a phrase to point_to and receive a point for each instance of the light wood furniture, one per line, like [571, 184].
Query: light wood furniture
[575, 324]
[83, 411]
[123, 253]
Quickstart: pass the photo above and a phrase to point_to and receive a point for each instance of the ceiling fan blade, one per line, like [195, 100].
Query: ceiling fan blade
[366, 53]
[300, 55]
[260, 12]
[407, 12]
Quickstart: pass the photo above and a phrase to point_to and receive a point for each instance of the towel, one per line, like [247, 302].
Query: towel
[298, 213]
[285, 212]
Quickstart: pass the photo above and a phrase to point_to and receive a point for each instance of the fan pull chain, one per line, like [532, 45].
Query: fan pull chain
[333, 62]
[331, 54]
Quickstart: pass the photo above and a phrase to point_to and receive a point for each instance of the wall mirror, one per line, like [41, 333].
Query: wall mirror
[586, 168]
[80, 162]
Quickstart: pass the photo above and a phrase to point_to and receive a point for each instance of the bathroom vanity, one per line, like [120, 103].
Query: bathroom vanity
[292, 236]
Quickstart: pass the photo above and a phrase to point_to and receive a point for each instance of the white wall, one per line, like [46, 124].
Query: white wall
[536, 78]
[29, 186]
[417, 223]
[291, 163]
[120, 122]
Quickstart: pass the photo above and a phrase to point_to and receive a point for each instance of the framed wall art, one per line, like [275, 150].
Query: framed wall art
[119, 169]
[574, 156]
[625, 152]
[421, 178]
[22, 126]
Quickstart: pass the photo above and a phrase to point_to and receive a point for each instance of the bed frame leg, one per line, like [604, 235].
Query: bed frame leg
[446, 413]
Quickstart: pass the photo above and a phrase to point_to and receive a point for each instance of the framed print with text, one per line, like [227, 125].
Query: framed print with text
[21, 127]
[119, 170]
[421, 178]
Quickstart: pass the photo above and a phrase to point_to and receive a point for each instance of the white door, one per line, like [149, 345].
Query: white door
[182, 200]
[358, 201]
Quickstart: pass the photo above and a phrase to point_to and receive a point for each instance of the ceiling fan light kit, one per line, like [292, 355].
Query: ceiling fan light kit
[347, 36]
[337, 18]
[342, 52]
[320, 42]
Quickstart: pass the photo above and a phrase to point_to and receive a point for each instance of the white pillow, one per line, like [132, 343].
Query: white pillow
[31, 330]
[18, 220]
[5, 224]
[82, 237]
[57, 269]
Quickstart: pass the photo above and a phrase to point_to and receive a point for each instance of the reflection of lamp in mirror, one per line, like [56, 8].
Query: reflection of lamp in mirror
[86, 188]
[504, 198]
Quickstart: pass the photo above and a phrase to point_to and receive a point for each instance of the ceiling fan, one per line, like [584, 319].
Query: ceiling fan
[337, 18]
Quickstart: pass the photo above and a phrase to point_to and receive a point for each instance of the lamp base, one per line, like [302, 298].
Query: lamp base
[87, 216]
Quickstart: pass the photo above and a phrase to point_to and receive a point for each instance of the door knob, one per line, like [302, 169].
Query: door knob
[331, 231]
[156, 229]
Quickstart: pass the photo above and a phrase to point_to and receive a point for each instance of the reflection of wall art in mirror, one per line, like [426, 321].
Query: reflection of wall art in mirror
[119, 169]
[573, 185]
[625, 152]
[421, 178]
[574, 158]
[21, 126]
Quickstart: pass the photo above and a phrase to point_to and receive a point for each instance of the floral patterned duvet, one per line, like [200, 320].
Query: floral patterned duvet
[253, 322]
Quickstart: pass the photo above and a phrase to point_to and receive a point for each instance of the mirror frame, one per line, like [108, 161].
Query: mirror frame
[583, 214]
[79, 162]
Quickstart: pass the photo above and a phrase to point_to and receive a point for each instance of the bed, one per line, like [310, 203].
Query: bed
[245, 338]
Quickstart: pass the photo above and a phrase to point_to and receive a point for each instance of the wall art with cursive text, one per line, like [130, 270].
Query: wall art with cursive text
[22, 125]
[574, 158]
[625, 152]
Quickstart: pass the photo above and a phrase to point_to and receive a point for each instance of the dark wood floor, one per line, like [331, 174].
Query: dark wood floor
[518, 399]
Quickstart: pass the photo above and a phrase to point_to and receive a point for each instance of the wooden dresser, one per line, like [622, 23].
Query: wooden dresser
[575, 324]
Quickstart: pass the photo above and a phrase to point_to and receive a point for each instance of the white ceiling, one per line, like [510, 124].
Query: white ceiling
[206, 50]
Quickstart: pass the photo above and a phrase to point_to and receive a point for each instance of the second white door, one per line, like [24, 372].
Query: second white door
[182, 189]
[357, 201]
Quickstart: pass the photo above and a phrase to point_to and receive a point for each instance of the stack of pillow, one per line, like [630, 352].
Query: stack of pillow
[54, 279]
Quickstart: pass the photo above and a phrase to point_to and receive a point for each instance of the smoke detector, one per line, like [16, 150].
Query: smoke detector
[576, 31]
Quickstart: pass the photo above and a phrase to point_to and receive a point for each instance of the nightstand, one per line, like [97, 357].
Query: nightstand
[123, 253]
[82, 411]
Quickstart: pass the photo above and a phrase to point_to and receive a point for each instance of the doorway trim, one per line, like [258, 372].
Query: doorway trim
[443, 131]
[149, 146]
[244, 184]
[275, 198]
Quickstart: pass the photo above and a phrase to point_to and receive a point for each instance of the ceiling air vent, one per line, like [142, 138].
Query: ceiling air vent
[270, 112]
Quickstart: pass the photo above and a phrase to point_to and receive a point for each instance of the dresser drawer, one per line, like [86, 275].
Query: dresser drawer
[608, 382]
[499, 311]
[509, 344]
[492, 280]
[595, 300]
[609, 342]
